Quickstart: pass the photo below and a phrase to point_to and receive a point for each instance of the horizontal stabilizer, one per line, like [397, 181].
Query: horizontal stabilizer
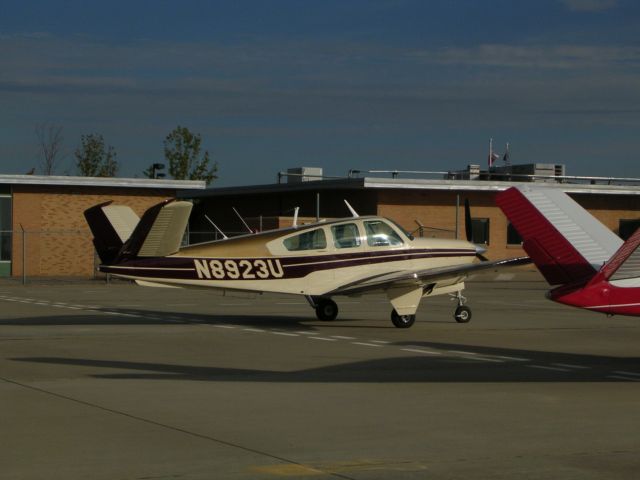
[564, 240]
[111, 226]
[160, 231]
[626, 261]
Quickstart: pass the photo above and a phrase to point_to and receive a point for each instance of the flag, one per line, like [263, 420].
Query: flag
[492, 156]
[507, 157]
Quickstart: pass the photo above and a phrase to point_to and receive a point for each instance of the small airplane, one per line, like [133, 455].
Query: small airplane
[593, 267]
[350, 256]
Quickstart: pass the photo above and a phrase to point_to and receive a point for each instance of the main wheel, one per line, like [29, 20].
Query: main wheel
[462, 314]
[326, 309]
[402, 321]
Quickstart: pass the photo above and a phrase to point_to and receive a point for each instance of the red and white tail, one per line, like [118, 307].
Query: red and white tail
[566, 242]
[625, 263]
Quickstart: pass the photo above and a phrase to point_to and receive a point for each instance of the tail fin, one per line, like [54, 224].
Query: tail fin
[111, 226]
[159, 231]
[565, 241]
[626, 261]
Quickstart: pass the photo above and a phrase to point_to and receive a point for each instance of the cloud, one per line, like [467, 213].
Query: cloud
[532, 56]
[589, 5]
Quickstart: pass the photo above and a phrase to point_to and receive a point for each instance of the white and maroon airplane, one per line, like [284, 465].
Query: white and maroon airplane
[593, 267]
[349, 257]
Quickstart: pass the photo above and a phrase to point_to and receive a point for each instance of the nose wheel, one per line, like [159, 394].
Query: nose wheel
[462, 313]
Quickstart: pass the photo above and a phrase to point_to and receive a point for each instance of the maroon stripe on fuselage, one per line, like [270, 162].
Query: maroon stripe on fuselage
[293, 267]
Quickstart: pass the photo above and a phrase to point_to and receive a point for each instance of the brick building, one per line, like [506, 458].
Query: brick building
[42, 227]
[432, 207]
[43, 231]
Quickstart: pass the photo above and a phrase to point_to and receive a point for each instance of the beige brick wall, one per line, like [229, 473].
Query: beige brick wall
[58, 240]
[438, 209]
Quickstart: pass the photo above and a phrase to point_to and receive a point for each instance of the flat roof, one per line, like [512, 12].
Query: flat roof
[54, 180]
[364, 183]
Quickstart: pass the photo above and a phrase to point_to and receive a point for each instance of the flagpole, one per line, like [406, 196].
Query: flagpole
[490, 159]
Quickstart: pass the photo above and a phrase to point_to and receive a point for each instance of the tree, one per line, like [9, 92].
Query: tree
[93, 160]
[153, 171]
[182, 151]
[50, 147]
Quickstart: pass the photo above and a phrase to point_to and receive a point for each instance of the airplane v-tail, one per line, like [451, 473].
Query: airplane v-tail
[590, 266]
[346, 257]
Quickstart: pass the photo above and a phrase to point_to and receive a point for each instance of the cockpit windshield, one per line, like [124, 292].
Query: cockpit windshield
[408, 234]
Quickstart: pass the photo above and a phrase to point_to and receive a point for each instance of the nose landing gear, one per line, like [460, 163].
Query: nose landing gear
[462, 313]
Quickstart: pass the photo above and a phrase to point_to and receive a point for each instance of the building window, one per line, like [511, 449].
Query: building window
[480, 230]
[513, 237]
[346, 236]
[626, 228]
[313, 240]
[5, 228]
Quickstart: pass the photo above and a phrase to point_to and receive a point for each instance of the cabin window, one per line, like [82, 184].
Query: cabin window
[380, 234]
[626, 228]
[346, 236]
[480, 230]
[312, 240]
[513, 237]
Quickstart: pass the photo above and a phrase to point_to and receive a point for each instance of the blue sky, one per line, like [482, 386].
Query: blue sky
[379, 84]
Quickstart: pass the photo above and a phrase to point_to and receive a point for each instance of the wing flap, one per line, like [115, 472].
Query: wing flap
[421, 278]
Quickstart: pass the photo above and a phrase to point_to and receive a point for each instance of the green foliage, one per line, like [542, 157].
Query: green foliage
[93, 159]
[149, 172]
[182, 151]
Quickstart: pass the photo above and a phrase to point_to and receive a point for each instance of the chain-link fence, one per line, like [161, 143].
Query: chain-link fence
[29, 254]
[49, 253]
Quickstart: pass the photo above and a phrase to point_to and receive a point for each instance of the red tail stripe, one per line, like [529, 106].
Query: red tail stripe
[623, 253]
[558, 261]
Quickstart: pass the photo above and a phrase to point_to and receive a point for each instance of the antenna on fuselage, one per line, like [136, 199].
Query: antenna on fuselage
[242, 220]
[216, 227]
[353, 212]
[295, 217]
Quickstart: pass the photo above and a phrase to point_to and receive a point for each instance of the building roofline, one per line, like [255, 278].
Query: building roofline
[315, 185]
[496, 186]
[54, 180]
[373, 183]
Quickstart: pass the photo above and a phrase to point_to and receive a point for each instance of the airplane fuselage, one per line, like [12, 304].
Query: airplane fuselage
[618, 297]
[281, 262]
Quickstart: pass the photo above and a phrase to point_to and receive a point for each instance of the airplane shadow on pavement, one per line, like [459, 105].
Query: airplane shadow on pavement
[455, 363]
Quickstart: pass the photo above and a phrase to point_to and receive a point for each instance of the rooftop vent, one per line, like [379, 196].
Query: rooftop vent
[303, 174]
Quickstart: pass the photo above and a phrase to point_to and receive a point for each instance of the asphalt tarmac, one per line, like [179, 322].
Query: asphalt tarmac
[125, 382]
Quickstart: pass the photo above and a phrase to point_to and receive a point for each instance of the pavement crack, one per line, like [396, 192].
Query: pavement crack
[173, 428]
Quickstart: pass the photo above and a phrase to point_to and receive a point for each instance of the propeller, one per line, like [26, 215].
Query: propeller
[468, 228]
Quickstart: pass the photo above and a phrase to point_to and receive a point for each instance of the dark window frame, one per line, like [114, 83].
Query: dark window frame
[513, 237]
[627, 227]
[480, 230]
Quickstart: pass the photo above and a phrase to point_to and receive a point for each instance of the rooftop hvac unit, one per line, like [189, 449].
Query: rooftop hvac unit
[303, 174]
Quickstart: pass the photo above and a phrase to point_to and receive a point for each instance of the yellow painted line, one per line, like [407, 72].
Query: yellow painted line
[288, 470]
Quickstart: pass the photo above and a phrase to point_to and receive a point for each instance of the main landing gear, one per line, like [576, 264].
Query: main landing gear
[326, 309]
[402, 321]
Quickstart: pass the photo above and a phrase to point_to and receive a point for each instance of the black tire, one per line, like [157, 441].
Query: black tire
[402, 321]
[462, 314]
[326, 309]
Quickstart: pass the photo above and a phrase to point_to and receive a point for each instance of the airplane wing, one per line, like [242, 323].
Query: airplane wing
[421, 278]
